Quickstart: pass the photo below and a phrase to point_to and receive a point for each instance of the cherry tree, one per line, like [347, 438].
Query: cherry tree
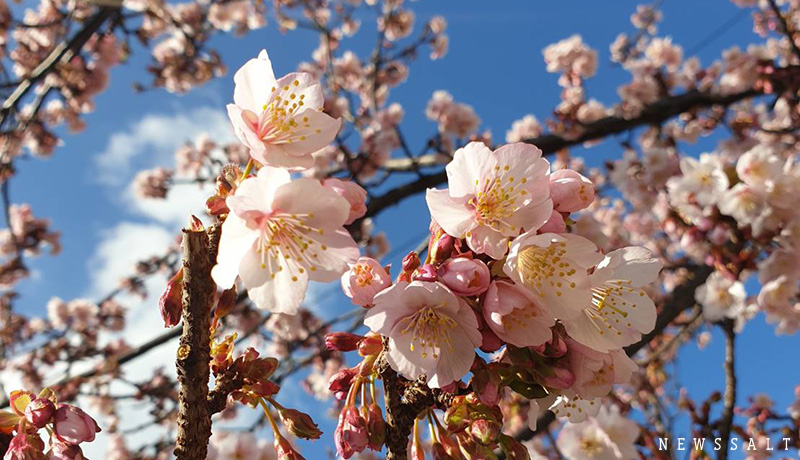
[541, 315]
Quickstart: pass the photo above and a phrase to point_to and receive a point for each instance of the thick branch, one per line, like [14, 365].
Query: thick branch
[194, 353]
[729, 400]
[655, 114]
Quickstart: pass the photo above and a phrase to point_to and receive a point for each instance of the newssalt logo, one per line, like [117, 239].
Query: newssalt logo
[680, 444]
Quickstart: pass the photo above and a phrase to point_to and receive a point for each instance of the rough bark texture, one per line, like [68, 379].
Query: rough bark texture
[194, 354]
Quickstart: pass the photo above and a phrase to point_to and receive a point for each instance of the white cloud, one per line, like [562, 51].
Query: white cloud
[152, 141]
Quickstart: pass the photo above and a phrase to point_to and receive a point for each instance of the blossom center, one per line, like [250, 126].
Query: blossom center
[430, 330]
[283, 243]
[497, 199]
[547, 268]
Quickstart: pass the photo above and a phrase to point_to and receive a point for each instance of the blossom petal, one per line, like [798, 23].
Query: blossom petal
[237, 239]
[452, 214]
[253, 83]
[470, 163]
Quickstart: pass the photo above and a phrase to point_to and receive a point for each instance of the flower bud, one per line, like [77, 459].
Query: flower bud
[171, 302]
[467, 277]
[226, 302]
[376, 427]
[39, 412]
[411, 262]
[73, 426]
[425, 273]
[63, 451]
[340, 383]
[355, 195]
[365, 279]
[351, 432]
[443, 247]
[554, 348]
[484, 431]
[299, 424]
[372, 344]
[25, 446]
[285, 450]
[342, 341]
[570, 191]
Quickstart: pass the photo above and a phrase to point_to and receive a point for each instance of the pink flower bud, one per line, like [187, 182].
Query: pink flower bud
[425, 273]
[570, 191]
[73, 426]
[25, 446]
[351, 434]
[490, 342]
[467, 277]
[555, 224]
[376, 427]
[442, 248]
[411, 262]
[340, 383]
[39, 412]
[355, 195]
[285, 450]
[62, 451]
[342, 341]
[364, 280]
[561, 379]
[553, 348]
[371, 345]
[171, 302]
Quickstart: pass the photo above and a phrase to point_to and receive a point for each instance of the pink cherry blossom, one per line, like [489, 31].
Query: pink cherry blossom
[280, 120]
[493, 196]
[71, 425]
[353, 193]
[515, 317]
[431, 331]
[466, 277]
[553, 267]
[280, 234]
[620, 310]
[364, 280]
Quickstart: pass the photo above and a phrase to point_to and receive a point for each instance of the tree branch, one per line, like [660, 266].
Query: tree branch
[194, 353]
[654, 114]
[729, 399]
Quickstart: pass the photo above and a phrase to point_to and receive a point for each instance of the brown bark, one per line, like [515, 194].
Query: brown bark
[405, 401]
[194, 353]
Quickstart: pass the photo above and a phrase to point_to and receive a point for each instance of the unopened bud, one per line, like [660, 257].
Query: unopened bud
[411, 262]
[351, 434]
[171, 302]
[285, 450]
[40, 412]
[299, 424]
[425, 273]
[443, 247]
[376, 427]
[342, 341]
[340, 383]
[372, 344]
[484, 431]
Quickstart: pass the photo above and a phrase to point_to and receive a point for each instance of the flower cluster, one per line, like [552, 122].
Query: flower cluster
[503, 270]
[67, 425]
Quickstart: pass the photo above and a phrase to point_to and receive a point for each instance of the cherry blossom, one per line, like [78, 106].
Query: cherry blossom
[280, 234]
[620, 310]
[721, 297]
[280, 120]
[553, 267]
[492, 196]
[431, 331]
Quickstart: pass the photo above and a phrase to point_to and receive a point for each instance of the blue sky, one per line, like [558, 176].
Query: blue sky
[494, 64]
